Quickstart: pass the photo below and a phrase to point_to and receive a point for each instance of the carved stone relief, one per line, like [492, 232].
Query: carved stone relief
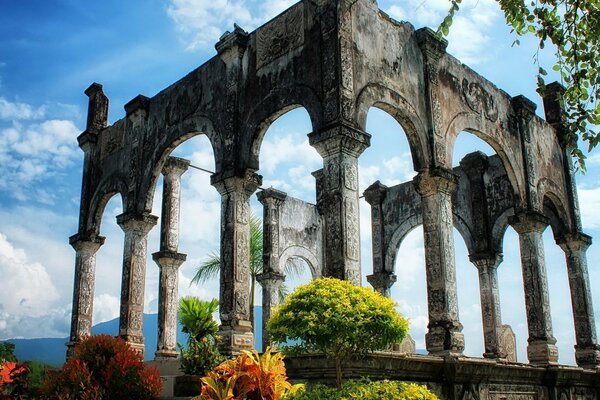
[280, 37]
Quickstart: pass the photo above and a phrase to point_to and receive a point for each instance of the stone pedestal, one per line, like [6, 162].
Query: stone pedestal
[83, 288]
[587, 351]
[541, 349]
[444, 335]
[340, 147]
[487, 265]
[136, 228]
[234, 305]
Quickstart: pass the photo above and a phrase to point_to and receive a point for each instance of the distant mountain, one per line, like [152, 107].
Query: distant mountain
[52, 350]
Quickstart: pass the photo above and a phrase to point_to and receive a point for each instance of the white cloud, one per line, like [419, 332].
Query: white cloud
[589, 201]
[287, 149]
[26, 288]
[106, 307]
[10, 110]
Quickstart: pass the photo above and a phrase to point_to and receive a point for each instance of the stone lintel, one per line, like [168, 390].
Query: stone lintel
[524, 107]
[529, 221]
[138, 103]
[577, 241]
[169, 258]
[232, 45]
[89, 241]
[248, 182]
[431, 44]
[339, 138]
[271, 193]
[375, 193]
[143, 222]
[434, 180]
[270, 277]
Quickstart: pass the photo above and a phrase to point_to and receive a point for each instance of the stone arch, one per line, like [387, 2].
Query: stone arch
[390, 101]
[553, 207]
[187, 129]
[499, 227]
[305, 254]
[108, 187]
[277, 103]
[474, 124]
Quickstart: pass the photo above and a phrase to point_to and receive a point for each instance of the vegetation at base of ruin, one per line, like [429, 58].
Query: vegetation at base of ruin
[7, 352]
[573, 28]
[102, 367]
[212, 266]
[338, 319]
[196, 318]
[365, 389]
[250, 376]
[19, 380]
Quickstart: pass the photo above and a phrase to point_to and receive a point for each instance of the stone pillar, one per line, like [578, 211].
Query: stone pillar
[444, 329]
[136, 228]
[83, 288]
[587, 351]
[234, 301]
[168, 258]
[340, 147]
[487, 265]
[541, 348]
[272, 277]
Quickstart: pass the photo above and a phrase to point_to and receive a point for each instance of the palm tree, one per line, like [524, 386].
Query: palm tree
[212, 266]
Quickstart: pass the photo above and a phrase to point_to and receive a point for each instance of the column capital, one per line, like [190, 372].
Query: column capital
[271, 195]
[529, 221]
[175, 166]
[382, 281]
[375, 193]
[141, 222]
[271, 277]
[572, 242]
[435, 180]
[168, 258]
[340, 138]
[430, 44]
[87, 243]
[486, 260]
[246, 183]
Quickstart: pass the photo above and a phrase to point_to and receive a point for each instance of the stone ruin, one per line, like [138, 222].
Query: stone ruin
[337, 59]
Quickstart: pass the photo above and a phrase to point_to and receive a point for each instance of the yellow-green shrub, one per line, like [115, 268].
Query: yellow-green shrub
[367, 390]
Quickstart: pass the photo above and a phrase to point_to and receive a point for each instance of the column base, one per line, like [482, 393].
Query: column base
[232, 340]
[495, 356]
[588, 357]
[166, 354]
[137, 345]
[443, 342]
[542, 353]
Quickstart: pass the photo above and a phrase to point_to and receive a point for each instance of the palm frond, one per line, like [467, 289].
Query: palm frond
[282, 293]
[294, 266]
[207, 270]
[256, 245]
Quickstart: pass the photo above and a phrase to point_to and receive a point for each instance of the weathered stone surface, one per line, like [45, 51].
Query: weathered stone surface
[508, 343]
[337, 59]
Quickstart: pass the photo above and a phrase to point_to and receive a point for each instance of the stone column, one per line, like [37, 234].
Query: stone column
[168, 258]
[340, 147]
[587, 351]
[272, 277]
[86, 248]
[541, 348]
[487, 265]
[136, 228]
[444, 329]
[234, 301]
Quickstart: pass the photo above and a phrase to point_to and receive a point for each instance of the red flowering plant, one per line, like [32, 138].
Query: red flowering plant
[103, 367]
[13, 380]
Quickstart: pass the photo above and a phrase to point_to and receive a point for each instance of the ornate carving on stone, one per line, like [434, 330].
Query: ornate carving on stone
[479, 100]
[508, 343]
[352, 230]
[280, 36]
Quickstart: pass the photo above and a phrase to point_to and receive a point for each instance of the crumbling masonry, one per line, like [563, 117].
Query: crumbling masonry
[337, 59]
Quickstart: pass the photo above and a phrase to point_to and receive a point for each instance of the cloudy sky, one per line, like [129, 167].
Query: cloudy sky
[51, 51]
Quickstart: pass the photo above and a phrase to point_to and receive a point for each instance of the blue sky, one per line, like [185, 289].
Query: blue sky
[51, 51]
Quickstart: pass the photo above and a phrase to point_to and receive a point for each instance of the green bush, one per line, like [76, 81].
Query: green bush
[200, 356]
[367, 390]
[338, 319]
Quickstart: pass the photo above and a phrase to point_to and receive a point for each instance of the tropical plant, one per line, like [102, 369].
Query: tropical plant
[212, 266]
[103, 367]
[14, 380]
[338, 319]
[7, 351]
[573, 28]
[250, 376]
[367, 390]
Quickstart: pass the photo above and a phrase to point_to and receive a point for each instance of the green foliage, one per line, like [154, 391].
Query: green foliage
[367, 390]
[250, 376]
[103, 367]
[573, 28]
[7, 352]
[196, 318]
[200, 356]
[337, 318]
